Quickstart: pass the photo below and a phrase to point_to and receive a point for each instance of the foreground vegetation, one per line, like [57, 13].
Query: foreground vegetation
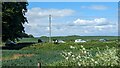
[92, 53]
[86, 57]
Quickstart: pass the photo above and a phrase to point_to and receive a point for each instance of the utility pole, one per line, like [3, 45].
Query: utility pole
[49, 28]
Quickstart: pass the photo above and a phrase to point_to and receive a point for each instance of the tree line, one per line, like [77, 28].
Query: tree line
[13, 18]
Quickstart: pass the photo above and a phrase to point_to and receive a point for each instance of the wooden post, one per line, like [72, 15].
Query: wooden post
[39, 65]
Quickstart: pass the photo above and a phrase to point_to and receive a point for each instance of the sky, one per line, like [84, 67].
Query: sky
[72, 18]
[73, 0]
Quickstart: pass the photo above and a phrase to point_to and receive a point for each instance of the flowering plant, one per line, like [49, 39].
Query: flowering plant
[86, 57]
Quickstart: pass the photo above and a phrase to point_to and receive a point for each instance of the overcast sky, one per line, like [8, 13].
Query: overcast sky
[73, 18]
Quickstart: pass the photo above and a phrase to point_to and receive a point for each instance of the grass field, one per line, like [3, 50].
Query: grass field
[69, 38]
[49, 54]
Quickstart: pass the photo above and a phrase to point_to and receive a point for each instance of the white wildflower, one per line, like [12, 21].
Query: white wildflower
[85, 52]
[77, 57]
[96, 62]
[66, 58]
[79, 64]
[92, 59]
[72, 47]
[112, 65]
[81, 46]
[73, 58]
[69, 53]
[73, 55]
[80, 60]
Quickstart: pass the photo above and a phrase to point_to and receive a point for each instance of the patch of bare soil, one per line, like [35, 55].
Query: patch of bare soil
[16, 56]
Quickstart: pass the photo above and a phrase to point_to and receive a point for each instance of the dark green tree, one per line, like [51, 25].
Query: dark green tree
[31, 36]
[13, 18]
[24, 35]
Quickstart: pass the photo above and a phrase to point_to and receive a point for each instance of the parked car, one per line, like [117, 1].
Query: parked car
[61, 41]
[55, 41]
[79, 40]
[10, 43]
[102, 40]
[40, 41]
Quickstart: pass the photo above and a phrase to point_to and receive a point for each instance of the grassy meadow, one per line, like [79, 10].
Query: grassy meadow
[90, 53]
[69, 38]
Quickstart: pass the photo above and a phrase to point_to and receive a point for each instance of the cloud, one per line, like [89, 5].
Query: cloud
[39, 24]
[77, 27]
[95, 7]
[36, 29]
[95, 27]
[38, 20]
[96, 21]
[105, 27]
[40, 12]
[40, 15]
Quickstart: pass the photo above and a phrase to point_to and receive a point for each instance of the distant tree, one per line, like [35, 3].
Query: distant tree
[30, 36]
[24, 35]
[44, 36]
[13, 18]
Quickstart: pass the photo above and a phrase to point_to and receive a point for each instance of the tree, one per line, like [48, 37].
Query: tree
[24, 35]
[30, 36]
[13, 18]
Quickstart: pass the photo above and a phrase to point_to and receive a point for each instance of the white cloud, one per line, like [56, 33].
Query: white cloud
[97, 26]
[97, 21]
[95, 7]
[39, 12]
[38, 20]
[39, 25]
[90, 27]
[105, 27]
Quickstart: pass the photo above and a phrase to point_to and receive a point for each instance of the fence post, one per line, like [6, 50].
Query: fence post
[39, 65]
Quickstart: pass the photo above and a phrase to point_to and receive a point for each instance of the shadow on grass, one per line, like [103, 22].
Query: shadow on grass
[17, 46]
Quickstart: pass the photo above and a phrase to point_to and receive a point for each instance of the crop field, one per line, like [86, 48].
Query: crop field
[90, 53]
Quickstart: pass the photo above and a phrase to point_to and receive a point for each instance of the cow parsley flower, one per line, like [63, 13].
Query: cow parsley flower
[66, 58]
[72, 47]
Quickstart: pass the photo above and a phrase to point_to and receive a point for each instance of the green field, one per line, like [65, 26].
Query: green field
[69, 38]
[49, 54]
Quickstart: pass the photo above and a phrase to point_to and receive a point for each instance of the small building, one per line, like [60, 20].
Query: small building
[79, 40]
